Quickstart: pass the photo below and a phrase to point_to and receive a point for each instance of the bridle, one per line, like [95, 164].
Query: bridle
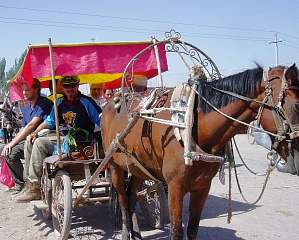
[285, 129]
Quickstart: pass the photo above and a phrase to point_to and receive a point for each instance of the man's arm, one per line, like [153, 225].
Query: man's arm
[24, 132]
[31, 138]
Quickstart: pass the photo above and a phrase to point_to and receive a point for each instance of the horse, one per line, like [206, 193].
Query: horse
[271, 95]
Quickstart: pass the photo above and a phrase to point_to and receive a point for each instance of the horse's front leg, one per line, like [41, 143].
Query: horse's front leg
[134, 186]
[117, 178]
[197, 201]
[175, 200]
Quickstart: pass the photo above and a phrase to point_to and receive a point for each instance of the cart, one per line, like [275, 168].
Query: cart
[76, 179]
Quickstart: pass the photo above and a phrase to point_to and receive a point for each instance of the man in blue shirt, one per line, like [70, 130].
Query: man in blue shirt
[76, 112]
[34, 112]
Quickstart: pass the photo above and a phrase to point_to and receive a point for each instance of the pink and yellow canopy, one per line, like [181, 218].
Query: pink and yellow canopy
[92, 62]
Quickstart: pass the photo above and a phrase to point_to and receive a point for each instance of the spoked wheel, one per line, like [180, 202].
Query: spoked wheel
[46, 193]
[62, 204]
[153, 203]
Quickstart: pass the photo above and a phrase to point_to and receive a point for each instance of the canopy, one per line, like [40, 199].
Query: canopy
[91, 62]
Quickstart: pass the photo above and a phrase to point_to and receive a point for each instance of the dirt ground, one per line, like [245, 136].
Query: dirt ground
[275, 217]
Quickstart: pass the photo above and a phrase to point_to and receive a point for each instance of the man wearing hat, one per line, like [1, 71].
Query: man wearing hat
[75, 111]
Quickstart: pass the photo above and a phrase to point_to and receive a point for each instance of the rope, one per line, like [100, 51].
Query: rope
[237, 120]
[229, 210]
[229, 156]
[263, 103]
[242, 160]
[269, 170]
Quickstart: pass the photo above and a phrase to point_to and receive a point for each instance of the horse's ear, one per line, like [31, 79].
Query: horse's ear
[292, 75]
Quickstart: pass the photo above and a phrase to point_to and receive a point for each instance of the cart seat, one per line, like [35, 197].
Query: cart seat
[53, 159]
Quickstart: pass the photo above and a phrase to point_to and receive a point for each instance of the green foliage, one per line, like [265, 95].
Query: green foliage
[15, 68]
[2, 77]
[76, 134]
[2, 69]
[6, 76]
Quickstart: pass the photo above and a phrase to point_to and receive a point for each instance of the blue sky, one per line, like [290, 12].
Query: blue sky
[233, 33]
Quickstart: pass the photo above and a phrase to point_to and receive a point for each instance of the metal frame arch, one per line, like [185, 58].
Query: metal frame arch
[174, 44]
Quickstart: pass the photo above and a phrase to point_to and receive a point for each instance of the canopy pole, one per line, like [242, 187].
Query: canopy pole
[158, 61]
[55, 99]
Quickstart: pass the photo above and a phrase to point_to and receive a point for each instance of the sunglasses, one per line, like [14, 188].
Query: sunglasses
[70, 85]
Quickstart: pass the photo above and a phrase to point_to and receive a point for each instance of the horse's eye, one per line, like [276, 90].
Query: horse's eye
[296, 107]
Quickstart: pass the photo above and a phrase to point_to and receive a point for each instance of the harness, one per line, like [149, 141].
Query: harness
[285, 129]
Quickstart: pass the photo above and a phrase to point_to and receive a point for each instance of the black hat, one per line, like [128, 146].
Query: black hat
[69, 81]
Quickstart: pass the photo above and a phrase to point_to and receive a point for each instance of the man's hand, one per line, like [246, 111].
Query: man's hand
[31, 138]
[7, 149]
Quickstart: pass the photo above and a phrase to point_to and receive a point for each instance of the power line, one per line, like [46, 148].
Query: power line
[134, 19]
[289, 35]
[69, 26]
[50, 23]
[79, 24]
[291, 46]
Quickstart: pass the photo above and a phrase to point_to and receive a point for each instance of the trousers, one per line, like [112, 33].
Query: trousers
[34, 156]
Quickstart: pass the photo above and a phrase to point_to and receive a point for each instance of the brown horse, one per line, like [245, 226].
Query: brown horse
[157, 149]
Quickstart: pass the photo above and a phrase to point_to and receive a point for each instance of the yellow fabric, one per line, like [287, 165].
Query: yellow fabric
[96, 78]
[51, 97]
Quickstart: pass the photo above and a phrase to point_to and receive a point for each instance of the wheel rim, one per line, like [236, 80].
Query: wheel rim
[58, 204]
[151, 204]
[154, 207]
[46, 193]
[62, 205]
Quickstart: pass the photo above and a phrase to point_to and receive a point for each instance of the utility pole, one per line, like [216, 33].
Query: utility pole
[276, 41]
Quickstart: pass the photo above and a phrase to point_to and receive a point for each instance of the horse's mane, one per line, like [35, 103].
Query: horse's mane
[243, 83]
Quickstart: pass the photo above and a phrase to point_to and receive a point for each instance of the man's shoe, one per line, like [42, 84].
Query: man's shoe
[33, 193]
[16, 189]
[25, 188]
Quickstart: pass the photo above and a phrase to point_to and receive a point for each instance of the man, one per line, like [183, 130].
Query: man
[34, 112]
[75, 112]
[97, 94]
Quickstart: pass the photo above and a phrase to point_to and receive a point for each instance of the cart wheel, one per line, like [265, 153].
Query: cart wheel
[62, 204]
[153, 203]
[46, 187]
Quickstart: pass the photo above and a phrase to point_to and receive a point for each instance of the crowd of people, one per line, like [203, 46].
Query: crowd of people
[76, 111]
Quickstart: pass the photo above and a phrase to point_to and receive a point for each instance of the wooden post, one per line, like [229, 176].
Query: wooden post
[55, 99]
[158, 61]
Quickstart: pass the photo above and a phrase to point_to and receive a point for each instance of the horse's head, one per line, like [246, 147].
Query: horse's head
[281, 86]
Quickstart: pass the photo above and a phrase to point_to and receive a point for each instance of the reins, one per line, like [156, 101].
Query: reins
[279, 118]
[237, 120]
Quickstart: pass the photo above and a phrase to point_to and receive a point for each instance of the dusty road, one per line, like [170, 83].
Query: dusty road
[275, 217]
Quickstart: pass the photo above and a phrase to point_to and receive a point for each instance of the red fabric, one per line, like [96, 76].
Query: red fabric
[88, 59]
[5, 176]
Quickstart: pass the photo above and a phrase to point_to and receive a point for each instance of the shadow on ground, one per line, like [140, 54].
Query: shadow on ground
[97, 222]
[217, 207]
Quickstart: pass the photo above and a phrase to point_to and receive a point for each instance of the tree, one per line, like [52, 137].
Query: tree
[6, 76]
[15, 68]
[2, 76]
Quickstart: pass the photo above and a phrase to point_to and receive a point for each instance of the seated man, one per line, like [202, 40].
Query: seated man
[34, 112]
[75, 111]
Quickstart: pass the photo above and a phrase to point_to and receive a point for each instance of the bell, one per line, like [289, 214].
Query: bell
[117, 105]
